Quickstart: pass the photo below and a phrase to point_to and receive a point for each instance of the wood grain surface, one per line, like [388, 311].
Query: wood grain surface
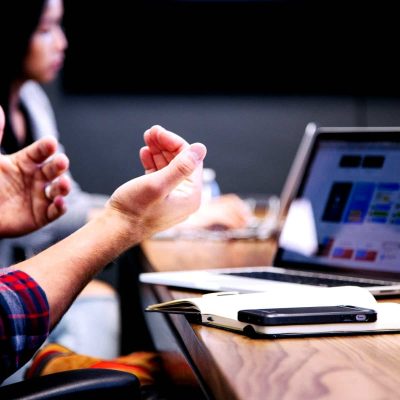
[233, 366]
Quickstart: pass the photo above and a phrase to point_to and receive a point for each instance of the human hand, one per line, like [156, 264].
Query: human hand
[227, 211]
[31, 186]
[171, 189]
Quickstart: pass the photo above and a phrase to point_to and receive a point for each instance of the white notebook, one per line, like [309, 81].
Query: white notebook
[220, 310]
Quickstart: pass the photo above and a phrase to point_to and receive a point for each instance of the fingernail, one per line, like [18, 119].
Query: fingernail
[199, 151]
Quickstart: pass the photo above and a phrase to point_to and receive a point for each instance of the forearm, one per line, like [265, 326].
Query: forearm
[64, 269]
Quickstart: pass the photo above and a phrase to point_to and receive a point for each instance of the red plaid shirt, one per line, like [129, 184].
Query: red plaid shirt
[24, 320]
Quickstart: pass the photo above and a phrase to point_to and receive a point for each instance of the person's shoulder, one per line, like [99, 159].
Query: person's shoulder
[31, 91]
[38, 107]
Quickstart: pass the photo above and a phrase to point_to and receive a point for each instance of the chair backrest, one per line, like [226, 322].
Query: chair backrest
[81, 384]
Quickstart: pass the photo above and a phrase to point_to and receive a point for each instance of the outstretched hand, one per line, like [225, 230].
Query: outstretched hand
[227, 211]
[31, 186]
[171, 189]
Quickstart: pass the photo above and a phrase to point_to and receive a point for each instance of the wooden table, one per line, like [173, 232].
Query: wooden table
[231, 366]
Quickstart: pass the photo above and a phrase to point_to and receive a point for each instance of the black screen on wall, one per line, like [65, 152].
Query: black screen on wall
[230, 47]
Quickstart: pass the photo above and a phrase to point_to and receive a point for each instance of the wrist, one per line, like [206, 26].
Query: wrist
[123, 230]
[117, 230]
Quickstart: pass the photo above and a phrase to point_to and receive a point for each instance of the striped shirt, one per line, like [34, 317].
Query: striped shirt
[24, 320]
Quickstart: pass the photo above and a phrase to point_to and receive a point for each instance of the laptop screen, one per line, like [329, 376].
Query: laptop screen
[352, 183]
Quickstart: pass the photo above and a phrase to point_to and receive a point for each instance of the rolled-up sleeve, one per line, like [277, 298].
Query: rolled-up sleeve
[24, 320]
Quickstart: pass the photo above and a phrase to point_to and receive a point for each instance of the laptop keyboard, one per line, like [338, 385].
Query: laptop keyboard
[310, 280]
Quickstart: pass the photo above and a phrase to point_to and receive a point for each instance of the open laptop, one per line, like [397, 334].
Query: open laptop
[348, 179]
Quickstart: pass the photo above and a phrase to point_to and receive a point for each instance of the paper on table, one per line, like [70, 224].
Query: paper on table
[227, 304]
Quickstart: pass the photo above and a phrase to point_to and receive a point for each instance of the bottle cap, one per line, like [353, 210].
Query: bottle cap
[208, 175]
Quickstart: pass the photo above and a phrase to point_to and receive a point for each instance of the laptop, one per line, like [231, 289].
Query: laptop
[341, 211]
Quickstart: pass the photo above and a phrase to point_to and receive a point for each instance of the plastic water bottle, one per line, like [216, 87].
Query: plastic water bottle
[210, 186]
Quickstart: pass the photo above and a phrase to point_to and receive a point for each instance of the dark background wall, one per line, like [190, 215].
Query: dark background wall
[243, 77]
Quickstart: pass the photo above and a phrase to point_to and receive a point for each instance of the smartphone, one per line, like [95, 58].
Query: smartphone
[307, 315]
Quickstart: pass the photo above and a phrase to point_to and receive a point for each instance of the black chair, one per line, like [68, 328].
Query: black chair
[81, 384]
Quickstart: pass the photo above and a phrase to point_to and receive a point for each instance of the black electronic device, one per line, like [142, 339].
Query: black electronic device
[307, 315]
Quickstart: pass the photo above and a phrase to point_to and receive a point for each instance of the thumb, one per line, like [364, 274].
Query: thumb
[183, 165]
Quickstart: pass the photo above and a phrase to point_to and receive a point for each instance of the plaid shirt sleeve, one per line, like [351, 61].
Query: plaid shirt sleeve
[24, 320]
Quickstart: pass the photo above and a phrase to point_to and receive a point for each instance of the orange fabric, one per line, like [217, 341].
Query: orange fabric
[55, 358]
